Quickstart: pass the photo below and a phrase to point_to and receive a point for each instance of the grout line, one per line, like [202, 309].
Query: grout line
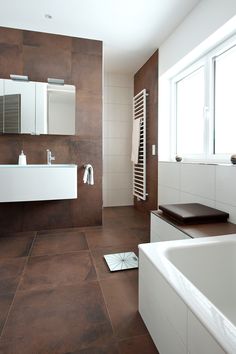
[104, 299]
[135, 336]
[17, 288]
[94, 264]
[58, 254]
[32, 245]
[108, 313]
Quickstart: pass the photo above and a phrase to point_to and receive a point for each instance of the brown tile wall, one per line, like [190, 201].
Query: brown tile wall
[147, 78]
[79, 62]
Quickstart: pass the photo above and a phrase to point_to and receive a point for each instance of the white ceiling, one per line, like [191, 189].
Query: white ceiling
[130, 29]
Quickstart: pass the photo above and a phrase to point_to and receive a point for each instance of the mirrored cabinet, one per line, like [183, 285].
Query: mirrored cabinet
[36, 108]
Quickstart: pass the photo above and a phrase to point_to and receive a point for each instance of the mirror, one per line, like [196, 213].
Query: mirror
[36, 108]
[61, 109]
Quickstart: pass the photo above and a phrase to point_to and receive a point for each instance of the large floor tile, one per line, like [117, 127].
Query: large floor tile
[138, 220]
[137, 345]
[59, 242]
[61, 320]
[58, 270]
[10, 273]
[101, 266]
[124, 217]
[15, 246]
[111, 237]
[124, 222]
[121, 297]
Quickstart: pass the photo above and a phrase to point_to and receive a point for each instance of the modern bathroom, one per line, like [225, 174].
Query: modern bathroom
[117, 167]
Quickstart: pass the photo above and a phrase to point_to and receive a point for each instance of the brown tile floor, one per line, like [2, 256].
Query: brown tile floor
[57, 295]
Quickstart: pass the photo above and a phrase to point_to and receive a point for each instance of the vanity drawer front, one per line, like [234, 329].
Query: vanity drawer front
[163, 231]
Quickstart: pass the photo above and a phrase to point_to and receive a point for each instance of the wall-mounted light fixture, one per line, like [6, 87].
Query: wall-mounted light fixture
[19, 77]
[56, 81]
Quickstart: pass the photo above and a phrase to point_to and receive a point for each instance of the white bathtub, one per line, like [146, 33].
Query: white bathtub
[192, 281]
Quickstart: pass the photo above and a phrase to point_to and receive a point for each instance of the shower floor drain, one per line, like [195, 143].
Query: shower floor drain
[121, 261]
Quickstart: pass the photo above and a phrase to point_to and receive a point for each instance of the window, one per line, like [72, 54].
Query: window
[189, 113]
[225, 102]
[204, 101]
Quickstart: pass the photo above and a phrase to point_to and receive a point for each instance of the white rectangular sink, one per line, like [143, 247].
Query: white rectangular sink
[37, 182]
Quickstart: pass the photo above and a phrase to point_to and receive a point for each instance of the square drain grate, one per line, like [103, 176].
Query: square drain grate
[121, 261]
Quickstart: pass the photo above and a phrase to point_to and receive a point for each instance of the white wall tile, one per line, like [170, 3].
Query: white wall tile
[228, 209]
[225, 184]
[117, 131]
[116, 146]
[198, 180]
[169, 174]
[119, 197]
[168, 195]
[120, 80]
[191, 198]
[105, 79]
[118, 95]
[105, 111]
[117, 164]
[105, 129]
[117, 181]
[105, 196]
[117, 112]
[105, 94]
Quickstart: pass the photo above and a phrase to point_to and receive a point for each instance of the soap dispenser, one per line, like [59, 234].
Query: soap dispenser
[22, 159]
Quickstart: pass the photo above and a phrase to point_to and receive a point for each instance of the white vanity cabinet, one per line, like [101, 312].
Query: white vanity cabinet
[23, 183]
[162, 230]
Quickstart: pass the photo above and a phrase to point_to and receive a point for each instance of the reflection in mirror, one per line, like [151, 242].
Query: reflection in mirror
[36, 108]
[55, 109]
[19, 107]
[61, 109]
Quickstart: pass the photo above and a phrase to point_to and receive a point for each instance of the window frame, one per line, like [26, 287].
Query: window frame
[208, 63]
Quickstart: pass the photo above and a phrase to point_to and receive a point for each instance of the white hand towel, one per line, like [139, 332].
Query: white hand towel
[91, 178]
[88, 174]
[85, 178]
[135, 140]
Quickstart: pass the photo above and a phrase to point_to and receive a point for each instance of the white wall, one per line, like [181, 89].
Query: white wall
[207, 17]
[117, 131]
[212, 185]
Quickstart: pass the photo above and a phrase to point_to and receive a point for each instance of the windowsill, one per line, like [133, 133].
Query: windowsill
[210, 163]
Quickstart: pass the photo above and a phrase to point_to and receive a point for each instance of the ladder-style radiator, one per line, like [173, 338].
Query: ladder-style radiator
[139, 169]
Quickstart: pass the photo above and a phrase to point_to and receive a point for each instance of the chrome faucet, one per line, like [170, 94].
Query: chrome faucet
[50, 158]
